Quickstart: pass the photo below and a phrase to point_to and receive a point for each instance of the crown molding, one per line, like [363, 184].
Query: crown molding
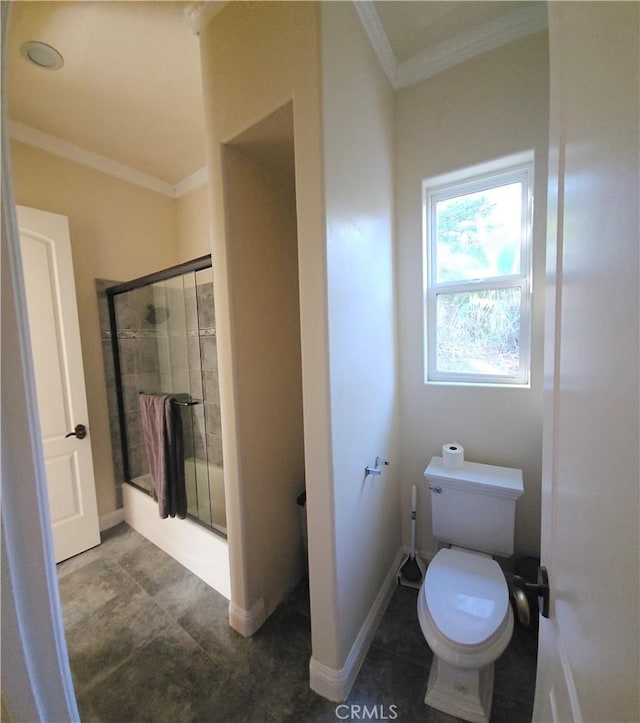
[58, 147]
[190, 183]
[201, 12]
[466, 46]
[378, 38]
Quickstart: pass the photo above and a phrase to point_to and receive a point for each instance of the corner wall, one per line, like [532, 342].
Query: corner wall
[193, 222]
[256, 57]
[358, 107]
[492, 106]
[263, 276]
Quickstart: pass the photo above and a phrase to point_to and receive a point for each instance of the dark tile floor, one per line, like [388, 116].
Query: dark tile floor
[149, 641]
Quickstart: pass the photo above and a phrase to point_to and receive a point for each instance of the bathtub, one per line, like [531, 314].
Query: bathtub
[199, 549]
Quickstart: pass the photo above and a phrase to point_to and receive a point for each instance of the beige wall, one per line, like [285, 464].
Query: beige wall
[263, 267]
[255, 58]
[193, 224]
[490, 107]
[358, 107]
[118, 231]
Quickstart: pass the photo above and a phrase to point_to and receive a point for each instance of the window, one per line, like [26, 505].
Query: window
[477, 274]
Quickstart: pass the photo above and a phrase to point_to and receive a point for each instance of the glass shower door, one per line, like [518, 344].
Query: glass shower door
[165, 333]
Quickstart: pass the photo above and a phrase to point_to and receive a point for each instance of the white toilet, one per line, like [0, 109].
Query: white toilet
[463, 605]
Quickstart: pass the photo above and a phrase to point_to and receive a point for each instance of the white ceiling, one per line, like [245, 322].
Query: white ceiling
[129, 93]
[130, 86]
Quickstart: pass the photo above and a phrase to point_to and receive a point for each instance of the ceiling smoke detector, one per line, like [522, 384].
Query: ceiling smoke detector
[42, 55]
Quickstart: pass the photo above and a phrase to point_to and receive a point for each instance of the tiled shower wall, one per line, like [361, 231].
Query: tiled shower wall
[204, 365]
[167, 343]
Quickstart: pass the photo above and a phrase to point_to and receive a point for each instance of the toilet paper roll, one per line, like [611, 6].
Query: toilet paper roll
[452, 455]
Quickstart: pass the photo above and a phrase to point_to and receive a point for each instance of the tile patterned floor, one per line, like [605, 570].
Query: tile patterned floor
[149, 641]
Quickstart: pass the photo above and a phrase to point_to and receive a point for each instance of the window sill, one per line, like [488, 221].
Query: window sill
[490, 385]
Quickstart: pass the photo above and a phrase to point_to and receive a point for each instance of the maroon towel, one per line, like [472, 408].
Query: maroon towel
[163, 443]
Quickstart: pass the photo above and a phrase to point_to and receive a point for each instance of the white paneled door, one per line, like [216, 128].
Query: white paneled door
[588, 653]
[57, 359]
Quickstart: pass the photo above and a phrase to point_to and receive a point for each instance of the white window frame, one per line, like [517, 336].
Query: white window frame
[478, 178]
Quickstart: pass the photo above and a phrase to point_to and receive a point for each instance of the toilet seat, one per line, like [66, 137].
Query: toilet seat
[466, 595]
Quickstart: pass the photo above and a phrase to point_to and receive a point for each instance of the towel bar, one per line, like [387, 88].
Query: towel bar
[190, 403]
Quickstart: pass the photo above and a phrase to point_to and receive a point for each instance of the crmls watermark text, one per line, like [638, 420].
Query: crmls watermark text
[366, 712]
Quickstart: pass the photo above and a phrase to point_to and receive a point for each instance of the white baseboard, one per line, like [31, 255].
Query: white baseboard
[247, 622]
[335, 684]
[111, 519]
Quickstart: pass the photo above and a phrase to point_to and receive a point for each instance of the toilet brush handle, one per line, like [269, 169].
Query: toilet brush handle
[414, 496]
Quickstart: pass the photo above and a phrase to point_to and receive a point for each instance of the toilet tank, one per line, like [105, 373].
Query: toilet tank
[474, 506]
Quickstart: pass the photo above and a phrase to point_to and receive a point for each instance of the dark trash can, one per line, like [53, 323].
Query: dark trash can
[301, 501]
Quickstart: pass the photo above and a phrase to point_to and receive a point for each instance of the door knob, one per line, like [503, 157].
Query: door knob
[79, 431]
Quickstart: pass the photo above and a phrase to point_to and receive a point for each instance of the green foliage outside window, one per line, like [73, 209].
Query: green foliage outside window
[478, 238]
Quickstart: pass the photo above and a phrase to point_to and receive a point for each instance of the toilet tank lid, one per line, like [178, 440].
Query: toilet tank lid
[467, 595]
[486, 478]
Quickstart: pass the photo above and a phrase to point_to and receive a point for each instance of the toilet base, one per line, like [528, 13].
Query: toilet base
[460, 692]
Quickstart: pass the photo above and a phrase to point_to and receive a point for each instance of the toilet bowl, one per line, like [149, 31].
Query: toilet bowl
[466, 618]
[463, 604]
